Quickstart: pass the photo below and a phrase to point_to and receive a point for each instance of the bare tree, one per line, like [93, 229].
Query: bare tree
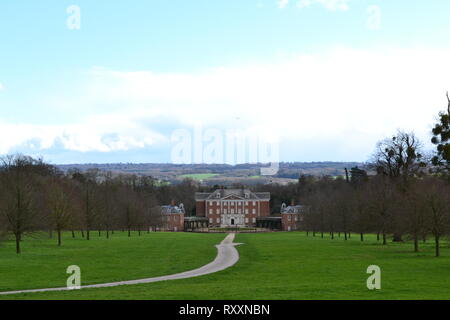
[413, 212]
[18, 201]
[381, 201]
[436, 195]
[59, 202]
[399, 156]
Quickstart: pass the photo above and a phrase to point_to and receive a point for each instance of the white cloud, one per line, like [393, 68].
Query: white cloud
[282, 3]
[349, 97]
[103, 133]
[1, 86]
[333, 5]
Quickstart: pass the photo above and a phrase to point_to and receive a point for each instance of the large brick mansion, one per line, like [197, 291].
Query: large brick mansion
[232, 208]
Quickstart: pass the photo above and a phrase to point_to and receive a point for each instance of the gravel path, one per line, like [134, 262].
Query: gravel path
[227, 256]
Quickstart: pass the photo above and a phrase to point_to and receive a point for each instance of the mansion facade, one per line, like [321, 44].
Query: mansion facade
[232, 208]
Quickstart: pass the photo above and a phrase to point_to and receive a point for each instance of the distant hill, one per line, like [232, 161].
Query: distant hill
[220, 173]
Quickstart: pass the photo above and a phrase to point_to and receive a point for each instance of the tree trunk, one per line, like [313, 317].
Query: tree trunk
[397, 237]
[321, 235]
[82, 233]
[436, 241]
[378, 236]
[345, 235]
[88, 235]
[362, 236]
[332, 235]
[99, 233]
[129, 233]
[416, 243]
[384, 238]
[107, 234]
[59, 238]
[17, 243]
[73, 234]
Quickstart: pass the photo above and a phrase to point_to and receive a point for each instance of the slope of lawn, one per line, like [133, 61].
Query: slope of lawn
[199, 176]
[43, 264]
[294, 266]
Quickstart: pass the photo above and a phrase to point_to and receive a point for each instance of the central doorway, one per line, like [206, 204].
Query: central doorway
[232, 222]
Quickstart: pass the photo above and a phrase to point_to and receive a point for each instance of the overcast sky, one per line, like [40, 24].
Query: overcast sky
[327, 78]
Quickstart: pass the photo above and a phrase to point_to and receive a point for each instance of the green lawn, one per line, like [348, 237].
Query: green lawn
[273, 266]
[199, 176]
[43, 264]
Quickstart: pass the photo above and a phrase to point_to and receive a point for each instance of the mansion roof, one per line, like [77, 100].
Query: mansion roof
[232, 194]
[170, 209]
[291, 209]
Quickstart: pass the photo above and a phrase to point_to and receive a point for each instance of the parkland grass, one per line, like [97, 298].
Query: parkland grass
[43, 264]
[282, 265]
[199, 176]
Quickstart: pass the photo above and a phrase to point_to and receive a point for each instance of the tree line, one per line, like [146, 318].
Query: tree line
[407, 197]
[36, 196]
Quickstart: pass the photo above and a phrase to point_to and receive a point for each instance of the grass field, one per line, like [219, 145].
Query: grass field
[272, 266]
[43, 264]
[199, 176]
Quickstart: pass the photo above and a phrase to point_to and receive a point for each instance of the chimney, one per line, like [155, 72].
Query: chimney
[292, 202]
[172, 203]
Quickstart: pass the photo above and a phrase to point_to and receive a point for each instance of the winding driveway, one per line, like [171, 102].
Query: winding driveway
[227, 256]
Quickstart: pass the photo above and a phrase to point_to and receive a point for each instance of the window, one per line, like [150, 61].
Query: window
[239, 210]
[289, 217]
[246, 211]
[210, 220]
[218, 195]
[210, 211]
[232, 211]
[225, 211]
[246, 220]
[246, 203]
[254, 211]
[218, 220]
[254, 220]
[295, 218]
[254, 203]
[210, 203]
